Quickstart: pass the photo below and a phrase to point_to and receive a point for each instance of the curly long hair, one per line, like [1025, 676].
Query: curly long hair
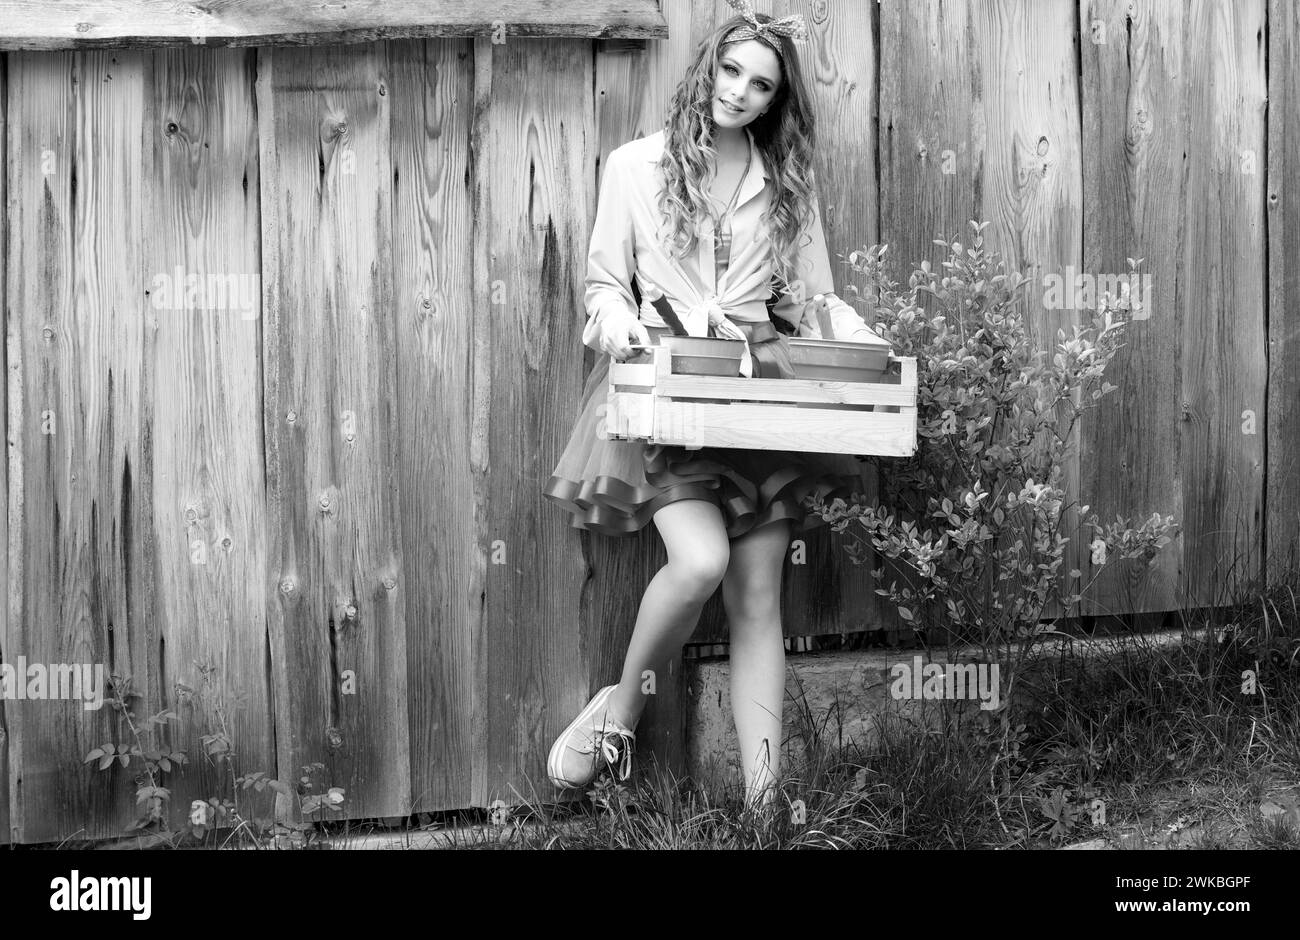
[785, 136]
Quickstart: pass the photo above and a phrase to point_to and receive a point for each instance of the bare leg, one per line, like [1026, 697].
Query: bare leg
[751, 591]
[696, 539]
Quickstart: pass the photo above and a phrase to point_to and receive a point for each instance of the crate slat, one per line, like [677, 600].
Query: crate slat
[783, 427]
[791, 390]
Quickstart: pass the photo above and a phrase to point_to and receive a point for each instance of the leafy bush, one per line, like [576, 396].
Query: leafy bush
[974, 517]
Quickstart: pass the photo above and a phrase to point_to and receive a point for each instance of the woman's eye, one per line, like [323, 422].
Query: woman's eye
[762, 86]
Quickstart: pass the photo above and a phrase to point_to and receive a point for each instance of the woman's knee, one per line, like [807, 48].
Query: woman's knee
[699, 571]
[696, 539]
[752, 586]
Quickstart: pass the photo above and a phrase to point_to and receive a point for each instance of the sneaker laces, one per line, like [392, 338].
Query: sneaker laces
[615, 744]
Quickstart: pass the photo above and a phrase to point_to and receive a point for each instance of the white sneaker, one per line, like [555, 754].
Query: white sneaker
[596, 734]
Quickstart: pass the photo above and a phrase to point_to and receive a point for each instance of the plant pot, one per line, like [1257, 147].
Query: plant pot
[838, 360]
[701, 355]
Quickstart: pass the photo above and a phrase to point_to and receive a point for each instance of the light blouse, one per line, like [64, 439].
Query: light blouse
[625, 243]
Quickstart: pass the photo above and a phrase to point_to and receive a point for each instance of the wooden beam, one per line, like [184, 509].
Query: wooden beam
[83, 24]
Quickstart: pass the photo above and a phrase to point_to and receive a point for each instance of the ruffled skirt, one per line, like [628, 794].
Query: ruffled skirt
[615, 487]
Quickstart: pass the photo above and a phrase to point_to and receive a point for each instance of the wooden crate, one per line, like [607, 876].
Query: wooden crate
[646, 402]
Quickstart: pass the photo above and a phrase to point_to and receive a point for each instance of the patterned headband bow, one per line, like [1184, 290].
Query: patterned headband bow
[792, 26]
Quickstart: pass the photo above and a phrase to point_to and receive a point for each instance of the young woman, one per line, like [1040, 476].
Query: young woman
[708, 211]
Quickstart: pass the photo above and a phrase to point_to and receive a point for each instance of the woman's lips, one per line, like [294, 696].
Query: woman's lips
[730, 109]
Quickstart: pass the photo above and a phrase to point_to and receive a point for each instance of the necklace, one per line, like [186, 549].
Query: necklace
[726, 213]
[722, 242]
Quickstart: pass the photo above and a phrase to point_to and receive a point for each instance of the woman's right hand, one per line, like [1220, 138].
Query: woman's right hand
[618, 332]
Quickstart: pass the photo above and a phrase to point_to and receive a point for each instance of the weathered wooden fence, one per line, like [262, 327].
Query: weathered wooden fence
[292, 342]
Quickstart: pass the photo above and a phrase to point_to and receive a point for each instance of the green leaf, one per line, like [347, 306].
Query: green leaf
[105, 761]
[94, 755]
[124, 759]
[905, 613]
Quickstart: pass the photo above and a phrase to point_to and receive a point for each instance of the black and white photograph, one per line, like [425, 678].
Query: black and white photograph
[547, 426]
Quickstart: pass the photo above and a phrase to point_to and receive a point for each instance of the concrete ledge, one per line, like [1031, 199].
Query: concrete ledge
[844, 696]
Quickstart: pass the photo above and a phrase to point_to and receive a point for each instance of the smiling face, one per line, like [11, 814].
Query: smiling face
[749, 74]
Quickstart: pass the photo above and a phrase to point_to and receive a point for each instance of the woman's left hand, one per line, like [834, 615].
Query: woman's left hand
[836, 307]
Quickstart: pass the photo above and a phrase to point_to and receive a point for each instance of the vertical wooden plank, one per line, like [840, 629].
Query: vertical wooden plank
[932, 146]
[337, 611]
[1224, 353]
[1032, 182]
[1135, 94]
[931, 127]
[81, 374]
[533, 143]
[204, 302]
[1282, 497]
[4, 464]
[435, 319]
